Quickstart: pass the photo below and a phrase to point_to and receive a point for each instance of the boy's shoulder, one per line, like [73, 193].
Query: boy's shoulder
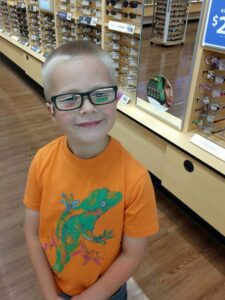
[46, 151]
[131, 163]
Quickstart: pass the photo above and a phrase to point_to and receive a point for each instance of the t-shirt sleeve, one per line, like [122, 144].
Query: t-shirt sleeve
[140, 219]
[32, 195]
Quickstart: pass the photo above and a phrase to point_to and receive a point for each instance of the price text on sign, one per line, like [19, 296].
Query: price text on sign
[121, 27]
[216, 20]
[88, 20]
[214, 34]
[125, 99]
[65, 16]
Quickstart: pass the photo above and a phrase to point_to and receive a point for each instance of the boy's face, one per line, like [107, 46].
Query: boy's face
[89, 124]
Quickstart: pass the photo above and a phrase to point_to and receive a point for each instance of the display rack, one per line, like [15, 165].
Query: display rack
[39, 26]
[206, 104]
[169, 22]
[48, 35]
[34, 26]
[4, 15]
[194, 10]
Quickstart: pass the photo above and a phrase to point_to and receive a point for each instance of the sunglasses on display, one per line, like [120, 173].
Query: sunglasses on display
[208, 119]
[218, 79]
[170, 31]
[173, 13]
[131, 89]
[130, 51]
[178, 10]
[125, 15]
[114, 36]
[211, 107]
[215, 92]
[174, 39]
[71, 101]
[204, 100]
[177, 5]
[86, 2]
[128, 71]
[161, 21]
[115, 55]
[221, 131]
[132, 4]
[208, 128]
[217, 63]
[114, 46]
[130, 41]
[211, 118]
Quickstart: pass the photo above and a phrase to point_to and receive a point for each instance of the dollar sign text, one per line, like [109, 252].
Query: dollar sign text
[215, 20]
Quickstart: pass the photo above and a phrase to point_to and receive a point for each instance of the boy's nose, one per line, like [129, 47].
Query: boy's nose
[87, 106]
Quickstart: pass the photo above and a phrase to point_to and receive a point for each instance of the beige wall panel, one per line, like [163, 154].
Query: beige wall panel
[202, 190]
[12, 52]
[33, 68]
[145, 146]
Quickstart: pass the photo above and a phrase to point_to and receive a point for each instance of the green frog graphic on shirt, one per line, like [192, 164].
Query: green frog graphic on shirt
[72, 228]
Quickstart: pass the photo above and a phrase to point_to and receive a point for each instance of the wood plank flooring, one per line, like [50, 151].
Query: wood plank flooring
[183, 261]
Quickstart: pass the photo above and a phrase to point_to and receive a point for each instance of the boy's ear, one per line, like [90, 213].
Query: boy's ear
[51, 109]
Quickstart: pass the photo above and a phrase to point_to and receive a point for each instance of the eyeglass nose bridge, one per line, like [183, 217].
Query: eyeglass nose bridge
[86, 96]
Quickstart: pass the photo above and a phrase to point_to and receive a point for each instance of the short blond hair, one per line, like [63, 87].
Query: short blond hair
[71, 51]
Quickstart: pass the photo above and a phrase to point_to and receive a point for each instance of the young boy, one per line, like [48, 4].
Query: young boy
[90, 205]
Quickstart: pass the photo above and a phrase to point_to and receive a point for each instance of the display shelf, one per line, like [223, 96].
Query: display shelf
[23, 23]
[149, 2]
[169, 22]
[26, 49]
[14, 25]
[206, 103]
[34, 26]
[48, 35]
[38, 27]
[124, 50]
[208, 107]
[5, 19]
[171, 135]
[45, 27]
[195, 7]
[66, 30]
[194, 10]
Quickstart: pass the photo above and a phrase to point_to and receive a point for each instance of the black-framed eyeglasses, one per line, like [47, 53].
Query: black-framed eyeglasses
[71, 101]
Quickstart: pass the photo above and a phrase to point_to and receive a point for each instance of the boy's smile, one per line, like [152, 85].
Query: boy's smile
[90, 124]
[86, 127]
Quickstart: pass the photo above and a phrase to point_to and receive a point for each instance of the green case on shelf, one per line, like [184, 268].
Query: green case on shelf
[155, 89]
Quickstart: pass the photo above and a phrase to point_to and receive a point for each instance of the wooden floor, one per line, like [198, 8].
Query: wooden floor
[173, 62]
[183, 261]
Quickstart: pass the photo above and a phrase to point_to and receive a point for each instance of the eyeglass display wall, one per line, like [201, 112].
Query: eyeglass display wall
[206, 103]
[208, 106]
[43, 25]
[169, 22]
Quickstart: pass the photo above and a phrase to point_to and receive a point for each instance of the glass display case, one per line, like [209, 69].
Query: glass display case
[166, 59]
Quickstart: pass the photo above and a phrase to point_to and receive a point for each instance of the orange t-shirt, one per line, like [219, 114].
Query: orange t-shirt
[85, 206]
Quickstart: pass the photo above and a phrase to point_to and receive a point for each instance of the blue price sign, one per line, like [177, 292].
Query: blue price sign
[214, 35]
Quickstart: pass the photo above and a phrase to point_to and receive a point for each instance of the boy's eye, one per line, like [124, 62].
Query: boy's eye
[103, 96]
[68, 98]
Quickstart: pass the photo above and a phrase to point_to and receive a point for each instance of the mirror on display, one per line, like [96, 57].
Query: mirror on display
[168, 37]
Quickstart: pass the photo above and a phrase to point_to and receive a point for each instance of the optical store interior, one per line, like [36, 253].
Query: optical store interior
[169, 58]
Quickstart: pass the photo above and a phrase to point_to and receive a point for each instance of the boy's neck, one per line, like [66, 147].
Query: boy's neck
[88, 151]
